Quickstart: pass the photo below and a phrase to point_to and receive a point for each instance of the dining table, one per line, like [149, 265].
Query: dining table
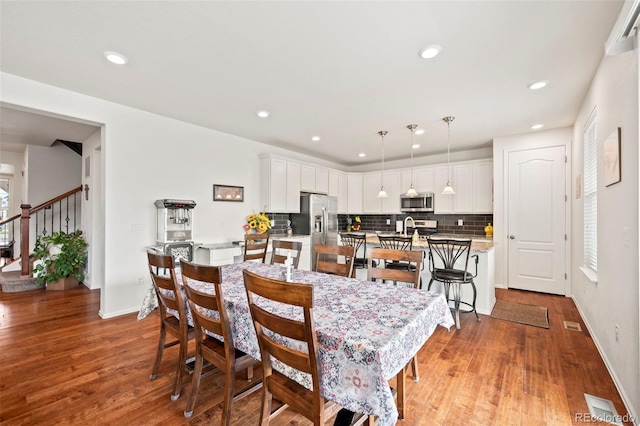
[367, 331]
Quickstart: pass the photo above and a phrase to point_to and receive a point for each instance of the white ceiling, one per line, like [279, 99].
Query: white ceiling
[339, 70]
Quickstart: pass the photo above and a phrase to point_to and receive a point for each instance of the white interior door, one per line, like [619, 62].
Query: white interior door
[536, 220]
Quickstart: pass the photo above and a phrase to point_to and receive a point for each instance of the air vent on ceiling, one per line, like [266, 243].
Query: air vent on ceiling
[621, 38]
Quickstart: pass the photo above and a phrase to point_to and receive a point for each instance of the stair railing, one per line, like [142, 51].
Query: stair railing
[61, 213]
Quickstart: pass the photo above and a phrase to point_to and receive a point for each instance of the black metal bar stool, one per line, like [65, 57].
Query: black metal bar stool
[357, 240]
[449, 264]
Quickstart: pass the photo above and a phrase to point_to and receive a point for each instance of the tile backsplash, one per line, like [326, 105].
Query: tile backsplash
[472, 224]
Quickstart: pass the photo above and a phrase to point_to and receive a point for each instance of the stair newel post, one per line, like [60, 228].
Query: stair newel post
[25, 216]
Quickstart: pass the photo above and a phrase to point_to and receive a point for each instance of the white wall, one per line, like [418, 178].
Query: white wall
[44, 162]
[148, 157]
[614, 299]
[91, 210]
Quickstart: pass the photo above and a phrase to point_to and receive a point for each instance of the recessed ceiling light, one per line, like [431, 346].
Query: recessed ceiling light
[415, 146]
[362, 154]
[115, 57]
[419, 132]
[263, 114]
[538, 85]
[430, 51]
[315, 138]
[537, 126]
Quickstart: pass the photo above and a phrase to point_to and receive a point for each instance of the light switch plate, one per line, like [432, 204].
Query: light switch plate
[460, 222]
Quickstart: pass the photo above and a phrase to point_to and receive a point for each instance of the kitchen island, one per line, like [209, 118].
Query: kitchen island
[485, 281]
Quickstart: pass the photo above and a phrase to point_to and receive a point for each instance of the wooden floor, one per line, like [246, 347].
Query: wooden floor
[61, 364]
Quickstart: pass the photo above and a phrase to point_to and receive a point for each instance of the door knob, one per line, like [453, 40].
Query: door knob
[513, 237]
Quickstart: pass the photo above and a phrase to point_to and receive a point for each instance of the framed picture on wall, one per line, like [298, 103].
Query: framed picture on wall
[612, 172]
[228, 193]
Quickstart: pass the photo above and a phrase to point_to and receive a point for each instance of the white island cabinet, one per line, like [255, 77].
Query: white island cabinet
[484, 282]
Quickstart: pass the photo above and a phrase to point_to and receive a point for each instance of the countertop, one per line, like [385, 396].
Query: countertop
[234, 244]
[477, 243]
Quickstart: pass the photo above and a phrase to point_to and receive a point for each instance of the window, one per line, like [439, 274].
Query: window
[591, 195]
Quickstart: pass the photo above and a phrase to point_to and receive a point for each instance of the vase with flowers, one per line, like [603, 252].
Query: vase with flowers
[257, 223]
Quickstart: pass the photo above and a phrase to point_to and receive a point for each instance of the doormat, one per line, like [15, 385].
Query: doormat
[537, 316]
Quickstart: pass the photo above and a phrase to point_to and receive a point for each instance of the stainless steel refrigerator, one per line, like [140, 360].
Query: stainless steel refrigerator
[318, 218]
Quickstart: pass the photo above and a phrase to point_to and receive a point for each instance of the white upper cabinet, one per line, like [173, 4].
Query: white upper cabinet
[280, 185]
[473, 184]
[370, 189]
[338, 188]
[308, 178]
[442, 203]
[354, 193]
[314, 179]
[293, 187]
[462, 181]
[424, 180]
[322, 180]
[393, 186]
[483, 187]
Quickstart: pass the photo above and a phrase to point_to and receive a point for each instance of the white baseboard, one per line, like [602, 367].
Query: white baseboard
[616, 381]
[118, 313]
[496, 285]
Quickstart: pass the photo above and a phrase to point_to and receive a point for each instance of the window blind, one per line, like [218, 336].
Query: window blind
[591, 194]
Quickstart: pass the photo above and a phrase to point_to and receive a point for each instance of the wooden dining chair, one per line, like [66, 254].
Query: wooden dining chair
[255, 246]
[299, 297]
[210, 316]
[328, 257]
[398, 242]
[409, 276]
[280, 248]
[173, 315]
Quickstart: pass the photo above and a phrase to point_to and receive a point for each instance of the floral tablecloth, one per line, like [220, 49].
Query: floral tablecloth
[367, 332]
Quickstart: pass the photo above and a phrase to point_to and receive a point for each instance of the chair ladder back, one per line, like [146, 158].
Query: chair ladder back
[309, 403]
[170, 298]
[255, 246]
[327, 259]
[279, 247]
[409, 276]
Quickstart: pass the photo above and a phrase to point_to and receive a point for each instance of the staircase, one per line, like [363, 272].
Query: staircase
[19, 233]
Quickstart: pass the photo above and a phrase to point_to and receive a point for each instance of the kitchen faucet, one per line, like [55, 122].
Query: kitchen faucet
[405, 224]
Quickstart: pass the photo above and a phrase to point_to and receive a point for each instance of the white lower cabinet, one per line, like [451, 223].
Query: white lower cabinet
[211, 254]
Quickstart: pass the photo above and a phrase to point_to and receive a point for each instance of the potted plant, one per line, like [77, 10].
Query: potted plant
[60, 259]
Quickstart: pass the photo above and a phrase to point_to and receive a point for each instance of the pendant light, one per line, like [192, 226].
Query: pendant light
[448, 190]
[382, 193]
[412, 191]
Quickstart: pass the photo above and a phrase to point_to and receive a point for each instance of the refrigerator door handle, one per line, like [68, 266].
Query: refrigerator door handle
[325, 220]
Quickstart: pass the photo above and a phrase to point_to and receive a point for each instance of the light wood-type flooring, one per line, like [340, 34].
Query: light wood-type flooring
[60, 363]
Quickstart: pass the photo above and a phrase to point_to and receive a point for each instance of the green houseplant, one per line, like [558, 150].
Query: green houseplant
[60, 256]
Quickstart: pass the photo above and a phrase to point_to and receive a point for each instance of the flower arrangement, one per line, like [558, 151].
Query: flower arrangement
[257, 222]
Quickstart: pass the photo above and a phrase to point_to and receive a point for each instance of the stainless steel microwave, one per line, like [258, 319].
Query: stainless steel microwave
[422, 202]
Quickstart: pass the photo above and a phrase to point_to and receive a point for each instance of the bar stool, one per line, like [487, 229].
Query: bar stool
[449, 264]
[357, 240]
[398, 242]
